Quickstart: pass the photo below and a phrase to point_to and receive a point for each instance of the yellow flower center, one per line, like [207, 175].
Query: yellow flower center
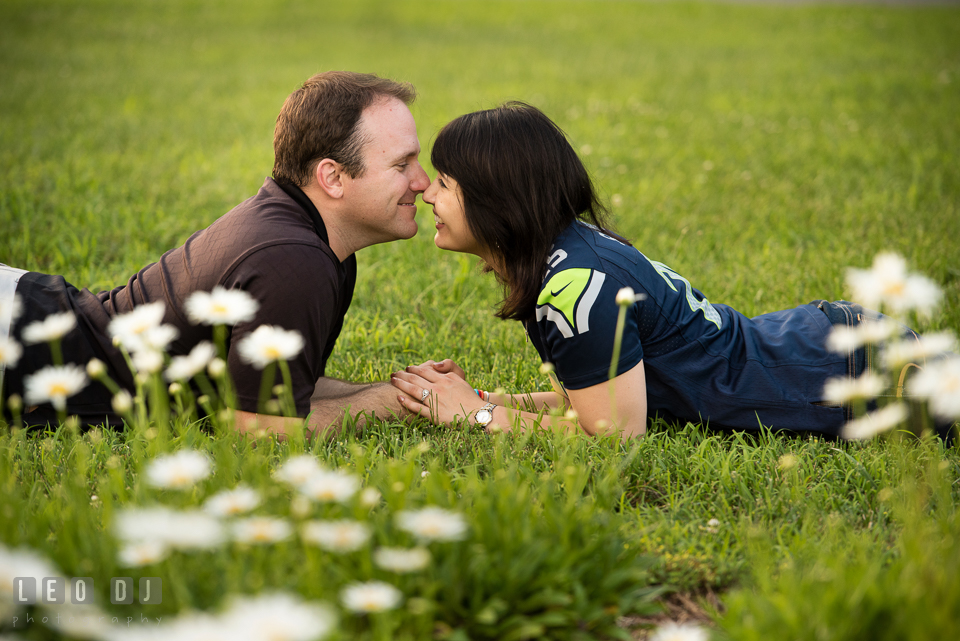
[895, 288]
[58, 389]
[271, 352]
[219, 309]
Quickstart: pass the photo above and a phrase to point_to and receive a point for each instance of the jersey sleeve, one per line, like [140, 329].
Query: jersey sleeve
[576, 319]
[307, 301]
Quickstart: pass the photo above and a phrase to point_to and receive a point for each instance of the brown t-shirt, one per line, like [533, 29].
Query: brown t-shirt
[273, 246]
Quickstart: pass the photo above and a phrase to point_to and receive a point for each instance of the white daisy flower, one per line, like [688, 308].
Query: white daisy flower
[52, 328]
[128, 329]
[261, 529]
[181, 530]
[158, 338]
[216, 368]
[844, 390]
[679, 632]
[268, 344]
[194, 530]
[183, 368]
[54, 383]
[10, 352]
[876, 422]
[914, 350]
[147, 361]
[372, 596]
[370, 497]
[239, 500]
[297, 470]
[433, 524]
[336, 536]
[178, 471]
[333, 485]
[141, 553]
[122, 402]
[889, 285]
[940, 383]
[135, 525]
[96, 368]
[280, 617]
[21, 562]
[402, 560]
[221, 307]
[626, 297]
[843, 339]
[787, 462]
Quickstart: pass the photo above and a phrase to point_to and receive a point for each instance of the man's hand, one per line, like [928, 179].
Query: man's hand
[446, 366]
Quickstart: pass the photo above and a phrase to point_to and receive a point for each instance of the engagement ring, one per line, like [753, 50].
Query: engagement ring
[424, 394]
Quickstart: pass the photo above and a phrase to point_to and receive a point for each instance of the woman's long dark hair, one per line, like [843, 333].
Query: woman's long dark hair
[522, 185]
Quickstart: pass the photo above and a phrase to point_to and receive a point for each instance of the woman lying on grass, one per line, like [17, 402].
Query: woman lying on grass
[511, 190]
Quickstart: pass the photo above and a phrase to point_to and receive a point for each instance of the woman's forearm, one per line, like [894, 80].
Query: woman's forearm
[531, 402]
[509, 419]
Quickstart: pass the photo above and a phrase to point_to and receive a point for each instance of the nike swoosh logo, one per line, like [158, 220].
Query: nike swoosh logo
[561, 289]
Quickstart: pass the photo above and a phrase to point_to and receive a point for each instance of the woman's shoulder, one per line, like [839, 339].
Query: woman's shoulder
[583, 245]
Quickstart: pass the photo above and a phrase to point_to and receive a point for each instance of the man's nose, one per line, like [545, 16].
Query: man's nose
[421, 182]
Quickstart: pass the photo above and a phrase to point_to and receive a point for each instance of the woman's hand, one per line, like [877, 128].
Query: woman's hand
[438, 391]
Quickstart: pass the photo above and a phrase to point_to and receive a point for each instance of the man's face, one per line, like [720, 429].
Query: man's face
[382, 202]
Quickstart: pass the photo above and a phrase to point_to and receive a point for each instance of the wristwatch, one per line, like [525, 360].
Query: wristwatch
[484, 415]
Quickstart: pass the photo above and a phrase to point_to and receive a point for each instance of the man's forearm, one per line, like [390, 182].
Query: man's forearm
[339, 398]
[332, 388]
[328, 409]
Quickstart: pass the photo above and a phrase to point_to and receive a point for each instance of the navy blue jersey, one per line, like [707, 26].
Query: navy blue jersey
[703, 362]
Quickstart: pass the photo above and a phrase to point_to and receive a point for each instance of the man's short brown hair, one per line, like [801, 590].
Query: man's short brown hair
[320, 120]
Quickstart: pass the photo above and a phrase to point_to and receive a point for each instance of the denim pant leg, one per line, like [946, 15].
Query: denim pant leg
[842, 312]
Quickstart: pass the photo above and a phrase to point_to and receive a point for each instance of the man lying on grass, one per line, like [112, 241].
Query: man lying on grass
[346, 176]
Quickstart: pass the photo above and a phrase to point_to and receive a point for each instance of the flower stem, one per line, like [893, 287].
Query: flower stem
[266, 385]
[615, 360]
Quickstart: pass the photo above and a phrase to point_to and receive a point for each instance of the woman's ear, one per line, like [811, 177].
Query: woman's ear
[329, 175]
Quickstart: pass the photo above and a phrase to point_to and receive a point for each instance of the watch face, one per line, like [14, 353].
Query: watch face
[484, 417]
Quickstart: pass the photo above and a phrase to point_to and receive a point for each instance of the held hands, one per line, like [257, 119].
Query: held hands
[446, 366]
[437, 391]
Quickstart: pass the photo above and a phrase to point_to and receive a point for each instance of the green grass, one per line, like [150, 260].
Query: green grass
[757, 150]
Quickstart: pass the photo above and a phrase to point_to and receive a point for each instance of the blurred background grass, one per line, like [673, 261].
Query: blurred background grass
[758, 150]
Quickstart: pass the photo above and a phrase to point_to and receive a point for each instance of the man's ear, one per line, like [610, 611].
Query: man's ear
[329, 175]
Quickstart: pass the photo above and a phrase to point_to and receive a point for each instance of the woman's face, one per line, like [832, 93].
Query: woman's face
[453, 233]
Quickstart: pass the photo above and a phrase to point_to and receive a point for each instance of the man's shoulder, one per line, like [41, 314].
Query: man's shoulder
[269, 218]
[270, 206]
